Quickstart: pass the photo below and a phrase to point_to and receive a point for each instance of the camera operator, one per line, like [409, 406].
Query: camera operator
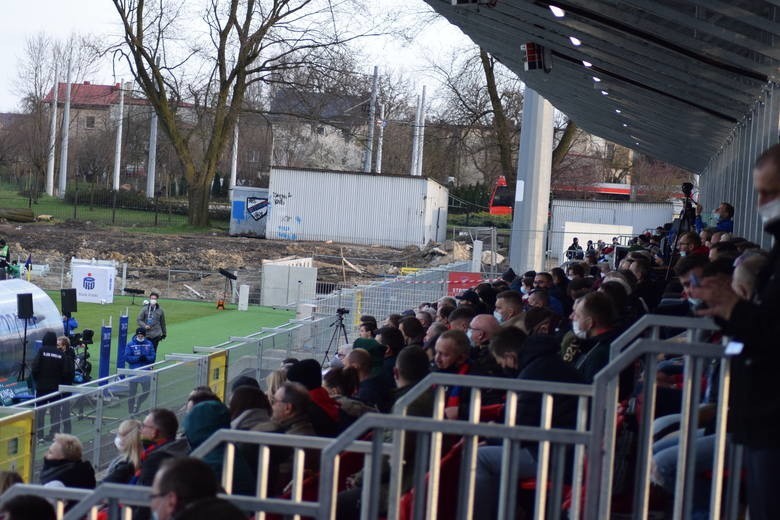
[724, 213]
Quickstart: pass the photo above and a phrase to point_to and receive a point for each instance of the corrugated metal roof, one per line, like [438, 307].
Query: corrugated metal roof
[678, 74]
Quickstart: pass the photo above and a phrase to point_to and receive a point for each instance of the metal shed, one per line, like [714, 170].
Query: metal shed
[356, 208]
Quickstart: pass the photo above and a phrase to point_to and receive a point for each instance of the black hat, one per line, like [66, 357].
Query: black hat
[469, 295]
[49, 339]
[509, 276]
[140, 330]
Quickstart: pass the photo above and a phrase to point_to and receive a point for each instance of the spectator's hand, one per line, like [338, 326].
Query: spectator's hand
[451, 412]
[717, 293]
[699, 209]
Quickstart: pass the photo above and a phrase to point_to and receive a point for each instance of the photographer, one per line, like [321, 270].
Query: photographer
[724, 214]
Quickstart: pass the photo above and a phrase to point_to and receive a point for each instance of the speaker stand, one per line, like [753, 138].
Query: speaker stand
[23, 366]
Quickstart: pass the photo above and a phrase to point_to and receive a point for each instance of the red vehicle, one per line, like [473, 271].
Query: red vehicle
[501, 201]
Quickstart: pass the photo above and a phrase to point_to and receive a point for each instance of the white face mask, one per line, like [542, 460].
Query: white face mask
[152, 302]
[524, 290]
[118, 442]
[695, 302]
[578, 331]
[770, 212]
[470, 334]
[683, 253]
[497, 316]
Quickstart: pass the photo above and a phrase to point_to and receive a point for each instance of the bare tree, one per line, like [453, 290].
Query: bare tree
[246, 41]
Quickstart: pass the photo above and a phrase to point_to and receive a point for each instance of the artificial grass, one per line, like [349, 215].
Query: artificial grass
[189, 324]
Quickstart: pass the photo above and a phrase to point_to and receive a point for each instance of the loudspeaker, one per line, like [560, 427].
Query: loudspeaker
[68, 301]
[24, 305]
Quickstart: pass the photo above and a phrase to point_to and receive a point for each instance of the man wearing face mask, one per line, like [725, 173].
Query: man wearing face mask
[139, 352]
[536, 358]
[723, 214]
[593, 322]
[152, 319]
[754, 410]
[509, 308]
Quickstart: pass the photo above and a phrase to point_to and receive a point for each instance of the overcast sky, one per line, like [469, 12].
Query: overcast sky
[60, 18]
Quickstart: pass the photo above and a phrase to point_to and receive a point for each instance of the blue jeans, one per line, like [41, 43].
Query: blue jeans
[486, 486]
[665, 467]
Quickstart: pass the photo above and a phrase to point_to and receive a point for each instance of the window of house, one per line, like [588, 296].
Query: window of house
[89, 122]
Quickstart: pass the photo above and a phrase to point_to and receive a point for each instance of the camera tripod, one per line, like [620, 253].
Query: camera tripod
[339, 329]
[685, 222]
[21, 376]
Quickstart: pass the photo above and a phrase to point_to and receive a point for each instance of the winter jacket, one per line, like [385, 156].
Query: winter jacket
[79, 474]
[374, 392]
[208, 509]
[50, 369]
[139, 353]
[201, 423]
[171, 449]
[590, 355]
[120, 471]
[249, 418]
[323, 412]
[754, 409]
[280, 459]
[155, 317]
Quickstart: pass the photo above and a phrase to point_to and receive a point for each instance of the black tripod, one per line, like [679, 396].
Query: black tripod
[685, 222]
[337, 331]
[23, 366]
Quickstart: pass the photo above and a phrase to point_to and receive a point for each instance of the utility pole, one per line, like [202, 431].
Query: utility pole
[381, 138]
[151, 169]
[118, 146]
[52, 134]
[65, 131]
[234, 158]
[415, 138]
[421, 134]
[368, 156]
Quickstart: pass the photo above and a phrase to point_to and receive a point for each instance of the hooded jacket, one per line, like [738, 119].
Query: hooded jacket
[201, 423]
[78, 474]
[139, 353]
[538, 359]
[155, 317]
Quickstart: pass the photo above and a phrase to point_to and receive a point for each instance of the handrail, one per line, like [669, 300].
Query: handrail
[250, 437]
[659, 320]
[507, 384]
[48, 492]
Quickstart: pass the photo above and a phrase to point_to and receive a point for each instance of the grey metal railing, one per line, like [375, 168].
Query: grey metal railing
[604, 420]
[58, 496]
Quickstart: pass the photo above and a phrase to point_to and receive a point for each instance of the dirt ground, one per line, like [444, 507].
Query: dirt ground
[57, 243]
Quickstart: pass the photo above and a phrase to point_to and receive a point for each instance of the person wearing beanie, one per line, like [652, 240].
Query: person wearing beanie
[49, 371]
[324, 411]
[139, 352]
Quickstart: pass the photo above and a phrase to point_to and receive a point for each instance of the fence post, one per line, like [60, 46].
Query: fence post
[98, 428]
[75, 200]
[113, 207]
[153, 389]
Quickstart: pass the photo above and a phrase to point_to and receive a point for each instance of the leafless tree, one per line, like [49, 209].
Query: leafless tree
[243, 42]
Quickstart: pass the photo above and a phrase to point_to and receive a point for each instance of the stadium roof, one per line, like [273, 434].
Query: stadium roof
[668, 78]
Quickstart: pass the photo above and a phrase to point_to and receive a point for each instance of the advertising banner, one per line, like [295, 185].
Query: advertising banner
[105, 351]
[460, 281]
[122, 341]
[93, 283]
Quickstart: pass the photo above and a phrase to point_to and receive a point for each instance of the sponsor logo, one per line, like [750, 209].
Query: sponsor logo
[257, 207]
[88, 282]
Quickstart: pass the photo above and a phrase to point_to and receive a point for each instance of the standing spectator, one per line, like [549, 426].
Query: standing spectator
[62, 463]
[139, 352]
[152, 319]
[755, 403]
[574, 251]
[49, 371]
[128, 444]
[186, 489]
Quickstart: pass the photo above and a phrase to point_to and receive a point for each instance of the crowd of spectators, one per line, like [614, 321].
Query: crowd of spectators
[555, 325]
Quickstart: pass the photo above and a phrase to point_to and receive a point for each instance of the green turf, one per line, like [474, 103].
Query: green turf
[189, 323]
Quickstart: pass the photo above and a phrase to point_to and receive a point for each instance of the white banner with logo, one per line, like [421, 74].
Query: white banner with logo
[93, 283]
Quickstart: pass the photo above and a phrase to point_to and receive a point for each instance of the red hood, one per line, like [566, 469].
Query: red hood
[322, 399]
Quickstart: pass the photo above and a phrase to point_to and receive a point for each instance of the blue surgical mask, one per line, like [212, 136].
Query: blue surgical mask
[695, 302]
[524, 290]
[497, 316]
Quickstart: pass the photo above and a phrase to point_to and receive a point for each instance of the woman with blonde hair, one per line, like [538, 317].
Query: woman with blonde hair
[128, 443]
[275, 380]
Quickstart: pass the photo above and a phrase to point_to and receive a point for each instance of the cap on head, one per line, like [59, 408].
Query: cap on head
[49, 339]
[141, 331]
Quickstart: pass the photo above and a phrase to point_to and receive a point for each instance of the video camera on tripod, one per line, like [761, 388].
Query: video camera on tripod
[341, 311]
[80, 341]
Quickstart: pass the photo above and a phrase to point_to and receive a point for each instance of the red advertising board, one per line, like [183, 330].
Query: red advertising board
[459, 282]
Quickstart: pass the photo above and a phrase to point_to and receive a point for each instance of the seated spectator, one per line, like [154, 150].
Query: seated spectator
[372, 389]
[323, 412]
[560, 281]
[158, 435]
[509, 308]
[425, 318]
[593, 323]
[461, 317]
[367, 330]
[243, 381]
[470, 298]
[579, 287]
[487, 293]
[128, 444]
[186, 489]
[248, 406]
[392, 320]
[689, 271]
[443, 312]
[62, 464]
[393, 342]
[540, 320]
[545, 281]
[202, 422]
[532, 358]
[724, 214]
[412, 330]
[539, 299]
[447, 300]
[27, 507]
[434, 331]
[200, 395]
[452, 357]
[575, 271]
[723, 250]
[746, 273]
[291, 406]
[690, 244]
[8, 479]
[275, 379]
[646, 288]
[481, 330]
[342, 385]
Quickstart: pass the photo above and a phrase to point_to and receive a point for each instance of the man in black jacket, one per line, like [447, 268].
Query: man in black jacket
[535, 358]
[754, 410]
[49, 370]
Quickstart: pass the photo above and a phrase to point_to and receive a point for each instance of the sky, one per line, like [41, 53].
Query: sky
[20, 20]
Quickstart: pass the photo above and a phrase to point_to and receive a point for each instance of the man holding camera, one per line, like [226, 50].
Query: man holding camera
[724, 214]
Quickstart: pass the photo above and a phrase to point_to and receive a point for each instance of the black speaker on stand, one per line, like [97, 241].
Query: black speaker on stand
[24, 311]
[68, 301]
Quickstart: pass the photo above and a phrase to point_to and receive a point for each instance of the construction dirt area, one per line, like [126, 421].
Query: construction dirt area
[154, 259]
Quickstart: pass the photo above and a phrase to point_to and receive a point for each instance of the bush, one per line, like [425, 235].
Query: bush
[482, 219]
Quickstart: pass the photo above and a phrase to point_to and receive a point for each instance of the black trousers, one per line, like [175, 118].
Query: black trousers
[763, 499]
